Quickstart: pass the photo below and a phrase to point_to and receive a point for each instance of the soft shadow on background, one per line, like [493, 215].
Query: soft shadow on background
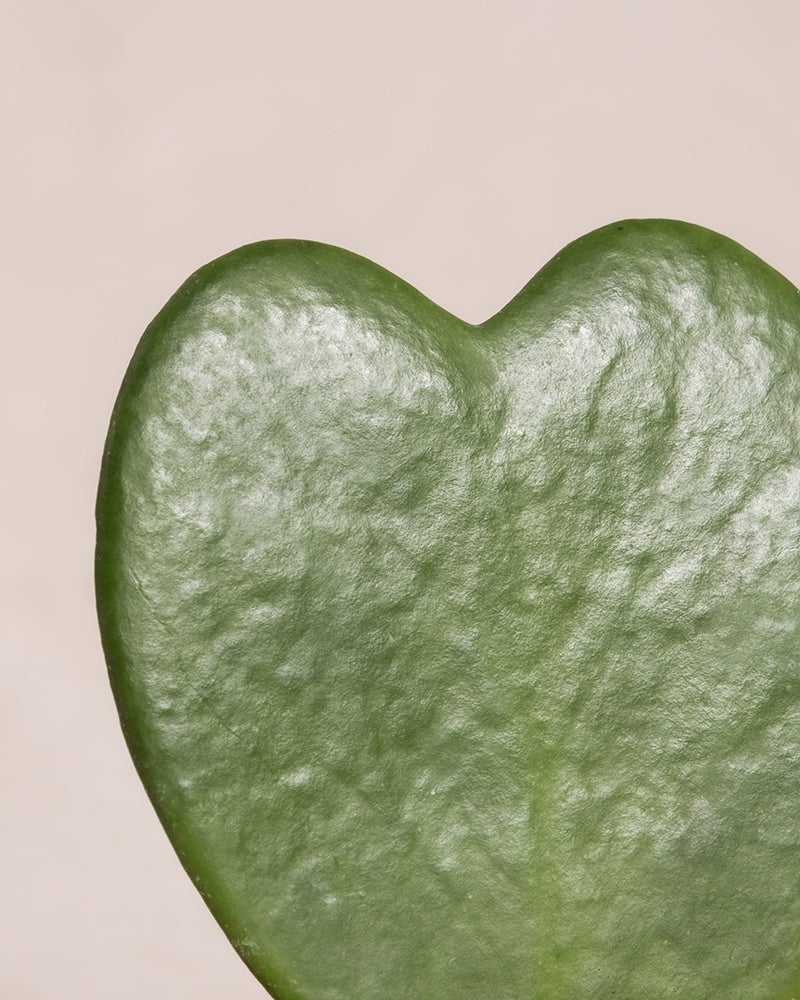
[460, 145]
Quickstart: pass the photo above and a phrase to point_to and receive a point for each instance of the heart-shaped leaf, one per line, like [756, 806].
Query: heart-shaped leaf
[464, 661]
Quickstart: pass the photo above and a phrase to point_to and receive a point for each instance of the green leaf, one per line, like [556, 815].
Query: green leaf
[464, 660]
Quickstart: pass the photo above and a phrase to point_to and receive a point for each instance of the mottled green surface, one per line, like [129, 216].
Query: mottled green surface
[464, 661]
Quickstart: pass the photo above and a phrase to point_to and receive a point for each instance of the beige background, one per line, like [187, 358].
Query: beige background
[460, 144]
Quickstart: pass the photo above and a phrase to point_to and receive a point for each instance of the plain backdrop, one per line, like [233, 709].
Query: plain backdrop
[460, 144]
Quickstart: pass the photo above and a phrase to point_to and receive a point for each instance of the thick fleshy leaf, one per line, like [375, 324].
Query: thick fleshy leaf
[464, 661]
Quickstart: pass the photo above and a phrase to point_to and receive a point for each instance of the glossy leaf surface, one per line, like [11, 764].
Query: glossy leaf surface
[464, 660]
